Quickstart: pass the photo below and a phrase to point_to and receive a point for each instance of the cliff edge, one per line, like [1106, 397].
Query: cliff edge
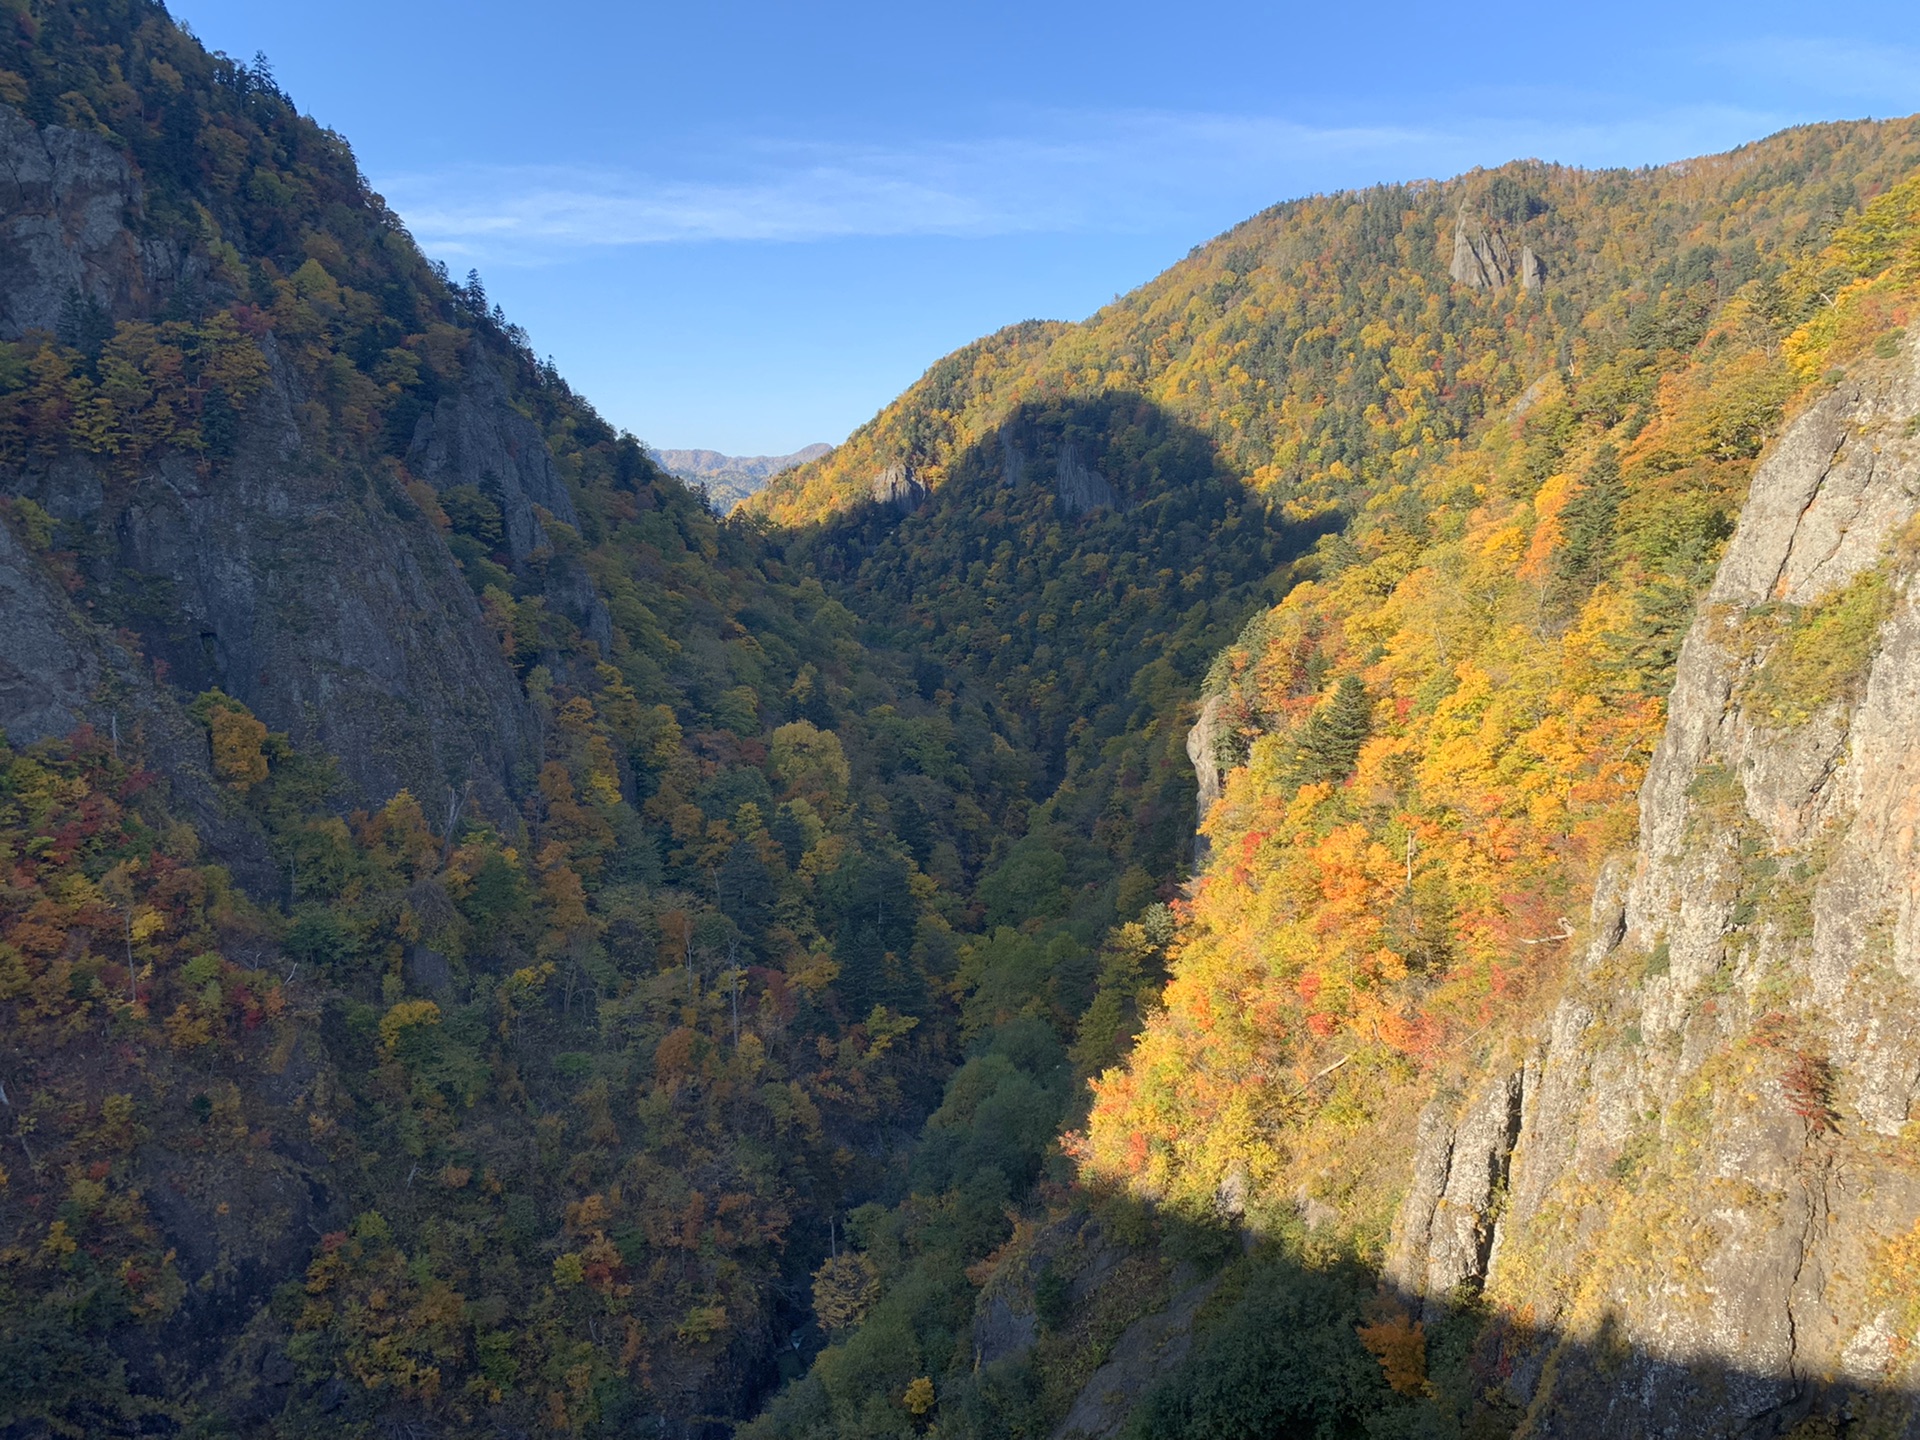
[1697, 1189]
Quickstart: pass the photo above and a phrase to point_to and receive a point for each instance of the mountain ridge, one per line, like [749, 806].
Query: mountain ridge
[1352, 897]
[488, 945]
[1250, 293]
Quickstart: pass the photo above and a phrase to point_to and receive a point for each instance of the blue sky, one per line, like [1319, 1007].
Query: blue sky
[746, 226]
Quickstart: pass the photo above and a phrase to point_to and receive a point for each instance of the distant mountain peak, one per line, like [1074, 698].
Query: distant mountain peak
[729, 479]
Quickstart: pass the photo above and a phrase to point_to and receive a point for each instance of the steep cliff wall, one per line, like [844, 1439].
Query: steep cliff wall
[65, 201]
[307, 584]
[1704, 1217]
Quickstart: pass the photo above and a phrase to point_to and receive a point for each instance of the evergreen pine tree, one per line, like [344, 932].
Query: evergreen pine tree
[1331, 740]
[84, 325]
[1588, 524]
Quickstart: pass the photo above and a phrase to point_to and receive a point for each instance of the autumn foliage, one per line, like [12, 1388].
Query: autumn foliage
[1512, 617]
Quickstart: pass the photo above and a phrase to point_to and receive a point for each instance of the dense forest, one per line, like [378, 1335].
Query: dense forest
[699, 987]
[1428, 749]
[580, 1081]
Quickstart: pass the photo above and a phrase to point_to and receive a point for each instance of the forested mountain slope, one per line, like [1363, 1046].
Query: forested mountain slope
[1425, 756]
[1671, 1183]
[489, 947]
[473, 920]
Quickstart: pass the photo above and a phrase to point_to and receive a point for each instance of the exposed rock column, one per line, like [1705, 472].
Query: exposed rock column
[1481, 260]
[1203, 749]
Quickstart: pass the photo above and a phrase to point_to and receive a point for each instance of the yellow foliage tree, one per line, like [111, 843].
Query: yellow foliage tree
[403, 1017]
[844, 1289]
[239, 741]
[919, 1397]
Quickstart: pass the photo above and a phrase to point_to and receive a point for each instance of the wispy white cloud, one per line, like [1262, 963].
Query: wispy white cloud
[1069, 173]
[543, 207]
[1058, 172]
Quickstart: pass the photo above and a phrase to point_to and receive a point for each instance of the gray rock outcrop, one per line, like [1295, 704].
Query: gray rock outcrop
[1079, 487]
[1481, 260]
[899, 487]
[1709, 1180]
[1533, 270]
[1203, 750]
[1443, 1237]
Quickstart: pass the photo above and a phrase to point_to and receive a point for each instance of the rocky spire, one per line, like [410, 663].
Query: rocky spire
[1533, 270]
[1481, 259]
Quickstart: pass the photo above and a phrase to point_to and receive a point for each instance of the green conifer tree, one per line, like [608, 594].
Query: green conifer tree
[1331, 740]
[1588, 524]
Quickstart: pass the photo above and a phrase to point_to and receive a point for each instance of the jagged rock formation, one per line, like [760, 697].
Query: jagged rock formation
[1081, 489]
[1481, 259]
[899, 487]
[1710, 1180]
[1445, 1233]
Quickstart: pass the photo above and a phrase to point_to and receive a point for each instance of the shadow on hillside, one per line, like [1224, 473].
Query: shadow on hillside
[1243, 1339]
[1262, 1344]
[1082, 563]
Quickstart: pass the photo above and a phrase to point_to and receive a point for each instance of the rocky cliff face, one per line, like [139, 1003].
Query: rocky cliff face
[899, 487]
[1080, 487]
[1481, 259]
[315, 593]
[66, 200]
[1697, 1186]
[1203, 749]
[304, 584]
[57, 670]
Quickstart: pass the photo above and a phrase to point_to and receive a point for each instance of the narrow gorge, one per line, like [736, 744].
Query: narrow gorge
[1326, 851]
